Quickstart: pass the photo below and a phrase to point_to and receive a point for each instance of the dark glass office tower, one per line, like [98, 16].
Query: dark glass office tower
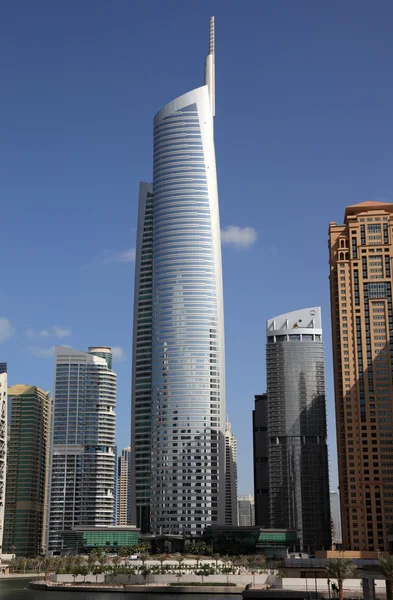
[298, 457]
[261, 466]
[141, 363]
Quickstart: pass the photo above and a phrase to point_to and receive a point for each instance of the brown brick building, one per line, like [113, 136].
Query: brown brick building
[361, 253]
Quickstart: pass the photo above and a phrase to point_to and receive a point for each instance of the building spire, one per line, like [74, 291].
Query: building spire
[209, 68]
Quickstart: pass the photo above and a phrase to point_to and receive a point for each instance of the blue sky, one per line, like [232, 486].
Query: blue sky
[303, 128]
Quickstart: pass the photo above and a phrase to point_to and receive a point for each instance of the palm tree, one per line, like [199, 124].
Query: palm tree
[116, 560]
[340, 569]
[241, 561]
[386, 566]
[143, 558]
[227, 568]
[216, 558]
[162, 558]
[91, 561]
[180, 560]
[48, 566]
[256, 563]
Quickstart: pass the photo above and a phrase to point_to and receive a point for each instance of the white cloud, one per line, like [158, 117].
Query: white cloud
[60, 332]
[42, 352]
[239, 237]
[118, 353]
[125, 256]
[6, 330]
[56, 331]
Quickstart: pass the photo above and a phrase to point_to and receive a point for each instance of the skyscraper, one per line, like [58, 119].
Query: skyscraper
[141, 400]
[336, 518]
[83, 442]
[26, 500]
[178, 414]
[3, 446]
[261, 461]
[246, 511]
[298, 458]
[124, 487]
[230, 476]
[361, 253]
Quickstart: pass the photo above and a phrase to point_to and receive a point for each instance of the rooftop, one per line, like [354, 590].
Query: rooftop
[368, 205]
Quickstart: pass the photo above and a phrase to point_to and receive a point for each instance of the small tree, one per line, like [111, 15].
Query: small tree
[76, 570]
[386, 566]
[340, 569]
[180, 561]
[144, 571]
[98, 569]
[205, 571]
[84, 570]
[130, 571]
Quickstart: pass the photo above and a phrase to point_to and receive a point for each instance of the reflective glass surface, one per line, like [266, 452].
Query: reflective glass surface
[185, 349]
[298, 459]
[83, 450]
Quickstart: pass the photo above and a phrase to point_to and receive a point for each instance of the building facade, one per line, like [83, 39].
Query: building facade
[26, 500]
[124, 487]
[246, 511]
[82, 482]
[3, 446]
[298, 457]
[141, 401]
[261, 461]
[336, 517]
[361, 253]
[178, 413]
[231, 516]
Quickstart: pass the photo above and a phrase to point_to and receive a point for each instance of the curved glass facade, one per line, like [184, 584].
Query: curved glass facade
[83, 443]
[178, 389]
[297, 457]
[187, 352]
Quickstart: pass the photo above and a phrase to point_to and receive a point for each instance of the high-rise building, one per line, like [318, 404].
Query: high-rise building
[178, 391]
[124, 487]
[83, 456]
[298, 457]
[336, 517]
[141, 400]
[26, 500]
[260, 459]
[231, 517]
[361, 253]
[3, 447]
[246, 511]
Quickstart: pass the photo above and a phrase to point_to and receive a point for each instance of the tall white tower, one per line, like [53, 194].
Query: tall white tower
[83, 455]
[178, 413]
